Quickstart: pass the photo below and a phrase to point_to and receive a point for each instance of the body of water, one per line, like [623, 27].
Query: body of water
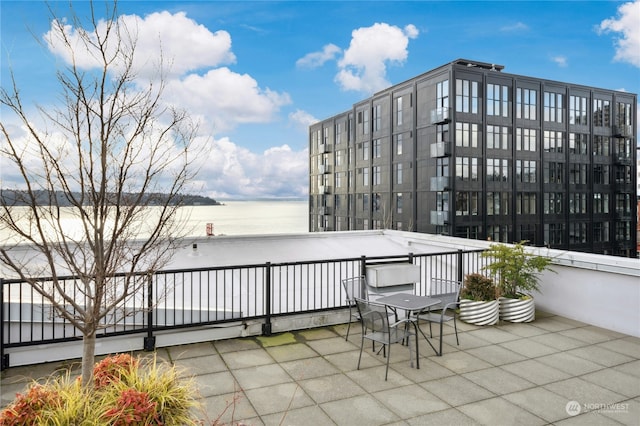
[250, 217]
[232, 218]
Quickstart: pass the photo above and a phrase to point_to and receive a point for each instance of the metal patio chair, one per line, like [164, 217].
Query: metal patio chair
[448, 291]
[377, 327]
[355, 287]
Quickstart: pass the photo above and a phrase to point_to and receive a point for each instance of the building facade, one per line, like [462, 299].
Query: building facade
[470, 151]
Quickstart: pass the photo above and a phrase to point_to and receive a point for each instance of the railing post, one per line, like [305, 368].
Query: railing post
[266, 327]
[460, 270]
[363, 265]
[4, 359]
[150, 340]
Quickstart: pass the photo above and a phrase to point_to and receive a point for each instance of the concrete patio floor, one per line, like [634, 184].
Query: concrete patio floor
[552, 371]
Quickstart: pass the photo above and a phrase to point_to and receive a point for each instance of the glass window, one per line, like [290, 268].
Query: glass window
[365, 176]
[553, 107]
[376, 175]
[377, 117]
[553, 202]
[553, 141]
[365, 150]
[526, 139]
[399, 138]
[377, 148]
[497, 100]
[467, 203]
[526, 103]
[497, 170]
[578, 143]
[398, 173]
[554, 233]
[601, 145]
[601, 113]
[377, 202]
[554, 172]
[467, 168]
[624, 114]
[466, 135]
[526, 203]
[442, 94]
[467, 96]
[526, 171]
[578, 110]
[577, 174]
[399, 202]
[399, 110]
[497, 137]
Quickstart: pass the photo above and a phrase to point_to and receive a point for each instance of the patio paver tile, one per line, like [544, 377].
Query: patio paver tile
[450, 417]
[410, 401]
[330, 388]
[278, 398]
[359, 410]
[498, 411]
[536, 372]
[498, 381]
[457, 390]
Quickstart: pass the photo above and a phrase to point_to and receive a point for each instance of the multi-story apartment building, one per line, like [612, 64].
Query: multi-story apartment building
[470, 151]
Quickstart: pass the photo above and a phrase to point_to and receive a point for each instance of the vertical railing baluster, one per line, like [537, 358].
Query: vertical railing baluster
[4, 360]
[150, 340]
[266, 327]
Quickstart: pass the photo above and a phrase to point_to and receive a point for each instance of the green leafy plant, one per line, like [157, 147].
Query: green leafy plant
[126, 391]
[514, 270]
[478, 287]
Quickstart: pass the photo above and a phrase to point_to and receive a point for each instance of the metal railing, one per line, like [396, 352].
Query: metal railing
[176, 299]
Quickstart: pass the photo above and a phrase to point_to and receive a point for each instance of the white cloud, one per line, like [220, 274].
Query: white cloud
[317, 59]
[302, 119]
[627, 24]
[219, 98]
[233, 171]
[183, 43]
[560, 60]
[224, 99]
[194, 55]
[518, 26]
[363, 65]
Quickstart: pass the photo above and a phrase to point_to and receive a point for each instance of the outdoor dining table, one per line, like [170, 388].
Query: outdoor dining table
[410, 303]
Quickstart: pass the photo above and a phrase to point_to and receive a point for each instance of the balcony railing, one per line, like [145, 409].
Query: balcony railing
[439, 115]
[440, 183]
[622, 131]
[181, 299]
[440, 149]
[439, 218]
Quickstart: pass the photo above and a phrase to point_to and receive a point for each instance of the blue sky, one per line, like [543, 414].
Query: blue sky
[258, 73]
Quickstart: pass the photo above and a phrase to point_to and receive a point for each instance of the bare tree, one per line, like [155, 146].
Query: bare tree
[112, 155]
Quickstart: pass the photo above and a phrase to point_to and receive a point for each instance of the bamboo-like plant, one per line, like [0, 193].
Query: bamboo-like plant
[514, 270]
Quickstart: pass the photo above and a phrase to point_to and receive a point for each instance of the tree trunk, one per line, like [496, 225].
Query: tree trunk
[88, 358]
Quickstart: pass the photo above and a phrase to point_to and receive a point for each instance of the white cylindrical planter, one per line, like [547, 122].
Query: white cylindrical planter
[517, 310]
[479, 313]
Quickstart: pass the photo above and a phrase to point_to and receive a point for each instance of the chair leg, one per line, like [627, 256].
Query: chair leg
[440, 353]
[455, 327]
[349, 324]
[360, 356]
[386, 373]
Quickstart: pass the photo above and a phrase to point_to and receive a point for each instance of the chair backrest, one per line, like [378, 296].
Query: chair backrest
[448, 291]
[374, 316]
[355, 287]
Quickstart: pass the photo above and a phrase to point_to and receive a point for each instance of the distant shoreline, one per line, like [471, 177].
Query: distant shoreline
[20, 198]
